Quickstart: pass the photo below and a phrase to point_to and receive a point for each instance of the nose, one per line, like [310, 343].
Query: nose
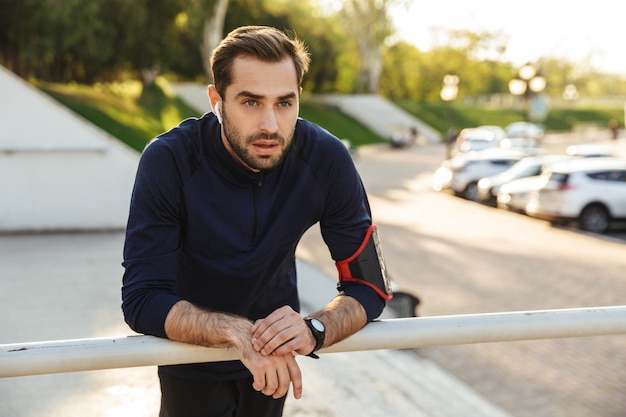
[269, 121]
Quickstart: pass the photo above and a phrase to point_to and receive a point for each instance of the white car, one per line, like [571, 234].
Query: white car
[590, 191]
[514, 195]
[479, 138]
[525, 130]
[489, 187]
[462, 173]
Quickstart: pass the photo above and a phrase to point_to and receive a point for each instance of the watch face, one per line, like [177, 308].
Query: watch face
[318, 325]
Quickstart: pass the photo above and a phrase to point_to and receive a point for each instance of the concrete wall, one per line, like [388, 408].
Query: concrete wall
[57, 171]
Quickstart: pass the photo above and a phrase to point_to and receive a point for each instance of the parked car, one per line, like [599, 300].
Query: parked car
[514, 195]
[478, 138]
[497, 132]
[589, 191]
[525, 130]
[489, 187]
[462, 173]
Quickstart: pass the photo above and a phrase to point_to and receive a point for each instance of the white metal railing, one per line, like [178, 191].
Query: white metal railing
[91, 354]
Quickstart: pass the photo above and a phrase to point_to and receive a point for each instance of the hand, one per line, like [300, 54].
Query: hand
[282, 332]
[273, 374]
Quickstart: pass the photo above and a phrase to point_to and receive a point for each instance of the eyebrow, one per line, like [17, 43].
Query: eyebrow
[250, 94]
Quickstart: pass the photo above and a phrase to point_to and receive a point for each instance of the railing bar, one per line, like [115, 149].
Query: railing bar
[21, 359]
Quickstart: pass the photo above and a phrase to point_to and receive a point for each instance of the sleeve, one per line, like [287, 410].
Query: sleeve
[347, 216]
[152, 242]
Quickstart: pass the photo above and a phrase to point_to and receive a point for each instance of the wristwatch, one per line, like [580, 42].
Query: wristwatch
[319, 333]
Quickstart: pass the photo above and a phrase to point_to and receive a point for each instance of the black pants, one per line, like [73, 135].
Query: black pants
[188, 398]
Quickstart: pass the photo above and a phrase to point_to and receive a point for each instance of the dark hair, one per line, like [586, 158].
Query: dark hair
[262, 42]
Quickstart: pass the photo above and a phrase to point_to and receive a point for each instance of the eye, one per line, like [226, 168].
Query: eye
[250, 103]
[285, 104]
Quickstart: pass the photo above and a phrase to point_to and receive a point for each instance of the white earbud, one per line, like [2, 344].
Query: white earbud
[217, 112]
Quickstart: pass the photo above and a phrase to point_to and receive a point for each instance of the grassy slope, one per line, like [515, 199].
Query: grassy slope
[134, 116]
[338, 123]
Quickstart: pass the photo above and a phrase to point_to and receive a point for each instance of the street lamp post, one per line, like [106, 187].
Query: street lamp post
[530, 84]
[449, 92]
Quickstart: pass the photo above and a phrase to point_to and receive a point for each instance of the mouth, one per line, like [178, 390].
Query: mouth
[265, 147]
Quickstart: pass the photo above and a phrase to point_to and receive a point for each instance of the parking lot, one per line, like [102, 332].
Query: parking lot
[462, 257]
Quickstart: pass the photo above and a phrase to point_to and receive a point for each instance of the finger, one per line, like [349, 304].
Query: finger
[296, 377]
[297, 338]
[259, 381]
[256, 325]
[271, 382]
[296, 342]
[261, 325]
[284, 380]
[269, 336]
[276, 316]
[280, 344]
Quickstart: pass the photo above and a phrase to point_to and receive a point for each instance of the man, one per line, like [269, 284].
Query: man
[218, 208]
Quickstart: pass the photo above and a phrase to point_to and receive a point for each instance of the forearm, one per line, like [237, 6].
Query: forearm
[190, 324]
[342, 317]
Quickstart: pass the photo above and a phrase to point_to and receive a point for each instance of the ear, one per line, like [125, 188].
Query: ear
[215, 99]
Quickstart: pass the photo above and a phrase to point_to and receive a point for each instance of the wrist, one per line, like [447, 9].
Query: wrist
[239, 337]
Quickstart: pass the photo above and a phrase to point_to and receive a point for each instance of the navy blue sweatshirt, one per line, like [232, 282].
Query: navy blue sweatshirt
[204, 229]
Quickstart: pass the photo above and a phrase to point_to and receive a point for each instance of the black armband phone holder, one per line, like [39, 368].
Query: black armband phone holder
[367, 265]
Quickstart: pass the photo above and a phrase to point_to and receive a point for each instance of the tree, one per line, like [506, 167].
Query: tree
[400, 77]
[474, 57]
[212, 33]
[369, 24]
[73, 40]
[16, 32]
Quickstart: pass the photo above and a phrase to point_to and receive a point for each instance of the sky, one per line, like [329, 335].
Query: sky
[570, 29]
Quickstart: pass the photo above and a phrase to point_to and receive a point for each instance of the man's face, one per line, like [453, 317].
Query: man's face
[259, 111]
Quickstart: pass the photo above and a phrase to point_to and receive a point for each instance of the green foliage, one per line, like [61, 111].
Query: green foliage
[400, 79]
[568, 118]
[98, 40]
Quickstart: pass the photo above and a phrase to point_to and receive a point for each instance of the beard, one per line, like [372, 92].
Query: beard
[240, 146]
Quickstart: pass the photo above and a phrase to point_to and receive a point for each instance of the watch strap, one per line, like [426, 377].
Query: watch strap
[319, 339]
